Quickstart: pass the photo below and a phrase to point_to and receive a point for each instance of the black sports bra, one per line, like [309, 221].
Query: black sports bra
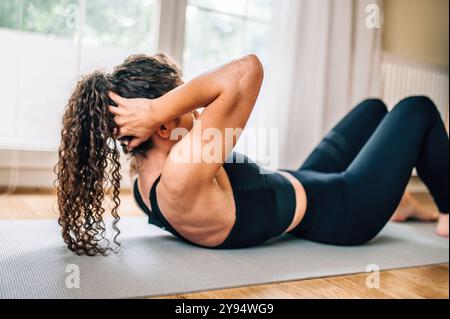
[265, 204]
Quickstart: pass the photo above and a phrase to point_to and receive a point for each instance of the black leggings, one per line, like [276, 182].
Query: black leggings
[355, 178]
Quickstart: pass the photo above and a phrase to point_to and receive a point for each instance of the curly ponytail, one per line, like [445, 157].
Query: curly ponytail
[89, 155]
[87, 149]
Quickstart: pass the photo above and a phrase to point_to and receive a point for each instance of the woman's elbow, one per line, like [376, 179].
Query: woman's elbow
[251, 74]
[246, 73]
[252, 67]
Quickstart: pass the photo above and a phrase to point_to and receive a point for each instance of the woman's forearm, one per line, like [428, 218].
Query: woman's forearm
[202, 90]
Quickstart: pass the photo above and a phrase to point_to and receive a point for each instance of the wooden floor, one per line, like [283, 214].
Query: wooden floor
[419, 282]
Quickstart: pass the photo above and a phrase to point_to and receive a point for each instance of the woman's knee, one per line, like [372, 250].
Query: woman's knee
[375, 106]
[420, 106]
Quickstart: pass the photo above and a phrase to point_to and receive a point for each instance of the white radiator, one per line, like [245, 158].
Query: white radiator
[402, 78]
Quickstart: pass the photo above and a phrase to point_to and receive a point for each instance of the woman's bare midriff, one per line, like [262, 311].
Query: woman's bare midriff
[223, 180]
[301, 200]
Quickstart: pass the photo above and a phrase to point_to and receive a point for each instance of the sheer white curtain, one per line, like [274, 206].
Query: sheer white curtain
[325, 59]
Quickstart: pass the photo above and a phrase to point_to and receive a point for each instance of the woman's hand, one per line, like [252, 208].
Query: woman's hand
[134, 117]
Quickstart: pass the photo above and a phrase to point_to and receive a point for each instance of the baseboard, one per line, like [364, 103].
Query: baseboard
[26, 178]
[31, 169]
[44, 191]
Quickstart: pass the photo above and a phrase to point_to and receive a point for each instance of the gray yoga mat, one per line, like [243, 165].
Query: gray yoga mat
[35, 264]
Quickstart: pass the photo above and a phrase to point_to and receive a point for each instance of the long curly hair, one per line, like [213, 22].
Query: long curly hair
[88, 167]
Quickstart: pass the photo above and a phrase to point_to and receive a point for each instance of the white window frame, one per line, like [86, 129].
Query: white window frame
[171, 24]
[171, 20]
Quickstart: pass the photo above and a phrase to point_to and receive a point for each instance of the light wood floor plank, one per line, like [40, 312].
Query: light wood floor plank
[419, 282]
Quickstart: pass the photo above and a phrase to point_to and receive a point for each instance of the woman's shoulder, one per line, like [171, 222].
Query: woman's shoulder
[201, 216]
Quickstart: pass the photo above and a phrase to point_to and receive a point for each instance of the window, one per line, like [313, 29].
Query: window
[39, 16]
[48, 44]
[217, 31]
[126, 24]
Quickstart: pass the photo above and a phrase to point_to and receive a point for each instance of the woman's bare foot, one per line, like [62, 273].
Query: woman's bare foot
[442, 227]
[409, 208]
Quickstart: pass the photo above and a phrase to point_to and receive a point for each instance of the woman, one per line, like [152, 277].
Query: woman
[344, 193]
